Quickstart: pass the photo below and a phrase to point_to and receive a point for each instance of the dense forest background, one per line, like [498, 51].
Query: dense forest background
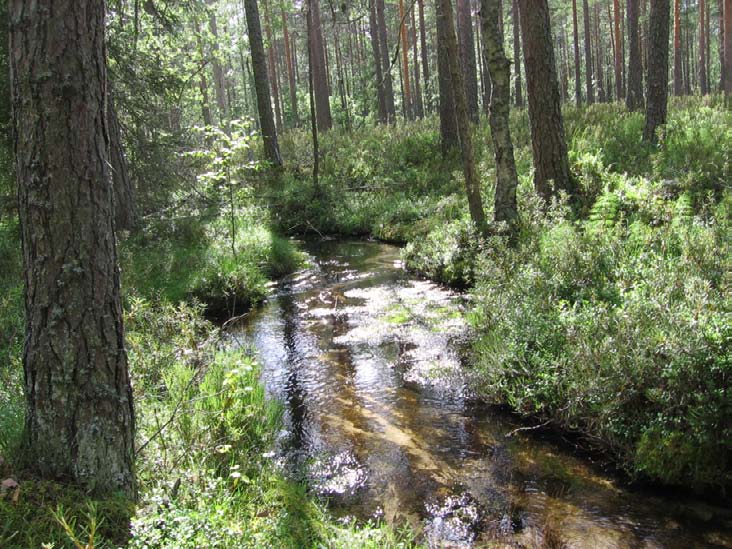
[596, 260]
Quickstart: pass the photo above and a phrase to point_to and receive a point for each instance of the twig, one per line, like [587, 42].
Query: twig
[533, 428]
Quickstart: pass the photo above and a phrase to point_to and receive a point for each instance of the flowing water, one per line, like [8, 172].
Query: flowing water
[379, 420]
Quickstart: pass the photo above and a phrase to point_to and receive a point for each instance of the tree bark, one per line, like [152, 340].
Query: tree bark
[500, 75]
[588, 54]
[449, 138]
[218, 71]
[466, 42]
[472, 184]
[311, 75]
[618, 50]
[425, 58]
[599, 59]
[728, 52]
[385, 63]
[380, 81]
[290, 69]
[403, 35]
[657, 85]
[261, 84]
[551, 162]
[634, 96]
[272, 70]
[678, 77]
[203, 84]
[418, 103]
[518, 94]
[320, 70]
[577, 71]
[80, 422]
[124, 203]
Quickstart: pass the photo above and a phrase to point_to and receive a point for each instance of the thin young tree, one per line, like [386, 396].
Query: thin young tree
[80, 422]
[425, 59]
[472, 184]
[657, 82]
[311, 94]
[549, 146]
[634, 95]
[261, 84]
[590, 91]
[518, 94]
[499, 69]
[577, 64]
[449, 138]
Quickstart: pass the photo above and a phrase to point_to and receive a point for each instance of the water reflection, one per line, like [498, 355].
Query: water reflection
[368, 363]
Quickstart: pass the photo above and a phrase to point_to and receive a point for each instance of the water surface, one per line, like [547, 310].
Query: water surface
[368, 362]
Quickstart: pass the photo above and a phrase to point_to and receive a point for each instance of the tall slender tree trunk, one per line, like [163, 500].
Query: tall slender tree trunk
[720, 6]
[290, 69]
[218, 70]
[385, 62]
[634, 96]
[311, 93]
[728, 52]
[466, 43]
[657, 85]
[203, 83]
[425, 58]
[678, 77]
[418, 103]
[485, 79]
[320, 69]
[261, 84]
[403, 35]
[449, 138]
[472, 183]
[124, 203]
[376, 47]
[590, 91]
[618, 50]
[80, 422]
[518, 93]
[577, 71]
[551, 161]
[599, 58]
[274, 80]
[499, 67]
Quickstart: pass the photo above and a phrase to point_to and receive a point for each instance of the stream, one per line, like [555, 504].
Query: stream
[369, 364]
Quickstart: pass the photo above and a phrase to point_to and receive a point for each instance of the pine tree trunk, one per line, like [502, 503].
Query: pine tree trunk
[466, 43]
[634, 97]
[290, 70]
[500, 75]
[418, 103]
[261, 84]
[720, 6]
[403, 35]
[518, 93]
[551, 162]
[320, 70]
[375, 45]
[599, 59]
[272, 70]
[657, 85]
[472, 183]
[449, 138]
[678, 77]
[385, 62]
[218, 71]
[588, 54]
[618, 51]
[124, 204]
[425, 60]
[80, 422]
[203, 83]
[577, 71]
[728, 52]
[311, 94]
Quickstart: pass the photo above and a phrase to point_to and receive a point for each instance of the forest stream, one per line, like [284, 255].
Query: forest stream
[368, 362]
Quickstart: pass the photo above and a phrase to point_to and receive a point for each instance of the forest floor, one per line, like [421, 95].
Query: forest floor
[613, 323]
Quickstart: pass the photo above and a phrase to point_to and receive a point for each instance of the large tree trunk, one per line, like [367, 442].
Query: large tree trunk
[466, 42]
[500, 74]
[588, 54]
[376, 47]
[449, 138]
[472, 184]
[657, 85]
[678, 77]
[551, 162]
[518, 95]
[577, 71]
[385, 63]
[80, 420]
[261, 83]
[634, 97]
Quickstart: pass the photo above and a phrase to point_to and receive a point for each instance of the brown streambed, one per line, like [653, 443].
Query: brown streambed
[367, 362]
